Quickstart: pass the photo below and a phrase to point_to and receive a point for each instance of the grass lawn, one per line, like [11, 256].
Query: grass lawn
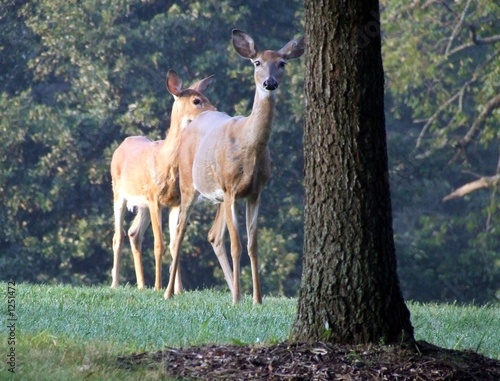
[68, 333]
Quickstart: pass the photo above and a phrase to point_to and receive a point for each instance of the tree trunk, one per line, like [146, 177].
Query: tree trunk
[350, 289]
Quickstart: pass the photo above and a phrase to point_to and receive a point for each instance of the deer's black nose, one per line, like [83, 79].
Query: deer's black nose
[270, 84]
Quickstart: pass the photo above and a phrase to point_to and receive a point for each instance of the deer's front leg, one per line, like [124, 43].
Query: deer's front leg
[229, 205]
[155, 212]
[188, 200]
[173, 220]
[252, 214]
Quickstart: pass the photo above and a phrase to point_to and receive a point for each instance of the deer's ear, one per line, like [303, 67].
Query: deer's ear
[202, 86]
[294, 48]
[244, 44]
[174, 83]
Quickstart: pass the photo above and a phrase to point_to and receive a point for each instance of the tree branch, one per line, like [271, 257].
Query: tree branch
[486, 40]
[459, 94]
[458, 28]
[434, 116]
[483, 182]
[472, 28]
[475, 41]
[492, 104]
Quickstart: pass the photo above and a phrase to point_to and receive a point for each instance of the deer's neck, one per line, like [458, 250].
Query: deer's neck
[259, 123]
[166, 152]
[171, 142]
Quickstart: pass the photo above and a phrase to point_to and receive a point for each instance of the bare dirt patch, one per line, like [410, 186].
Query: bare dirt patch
[319, 361]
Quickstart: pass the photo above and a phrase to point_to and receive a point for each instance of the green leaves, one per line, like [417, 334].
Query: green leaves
[441, 75]
[439, 66]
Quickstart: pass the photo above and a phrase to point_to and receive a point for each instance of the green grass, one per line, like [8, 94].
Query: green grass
[67, 333]
[458, 327]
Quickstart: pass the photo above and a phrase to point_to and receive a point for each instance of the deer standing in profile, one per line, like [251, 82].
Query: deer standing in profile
[145, 176]
[227, 158]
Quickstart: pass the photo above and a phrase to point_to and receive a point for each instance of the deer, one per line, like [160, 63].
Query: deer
[145, 177]
[224, 159]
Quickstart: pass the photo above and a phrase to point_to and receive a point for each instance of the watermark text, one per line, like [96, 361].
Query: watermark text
[11, 326]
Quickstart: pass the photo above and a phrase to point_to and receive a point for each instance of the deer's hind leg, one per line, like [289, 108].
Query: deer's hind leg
[216, 238]
[136, 236]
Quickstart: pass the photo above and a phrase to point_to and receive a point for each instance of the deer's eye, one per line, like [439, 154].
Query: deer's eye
[256, 63]
[282, 64]
[196, 101]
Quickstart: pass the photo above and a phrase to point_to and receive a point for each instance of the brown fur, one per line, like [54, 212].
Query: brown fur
[227, 158]
[145, 176]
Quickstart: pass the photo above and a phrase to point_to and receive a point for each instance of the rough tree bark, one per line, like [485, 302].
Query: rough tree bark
[350, 290]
